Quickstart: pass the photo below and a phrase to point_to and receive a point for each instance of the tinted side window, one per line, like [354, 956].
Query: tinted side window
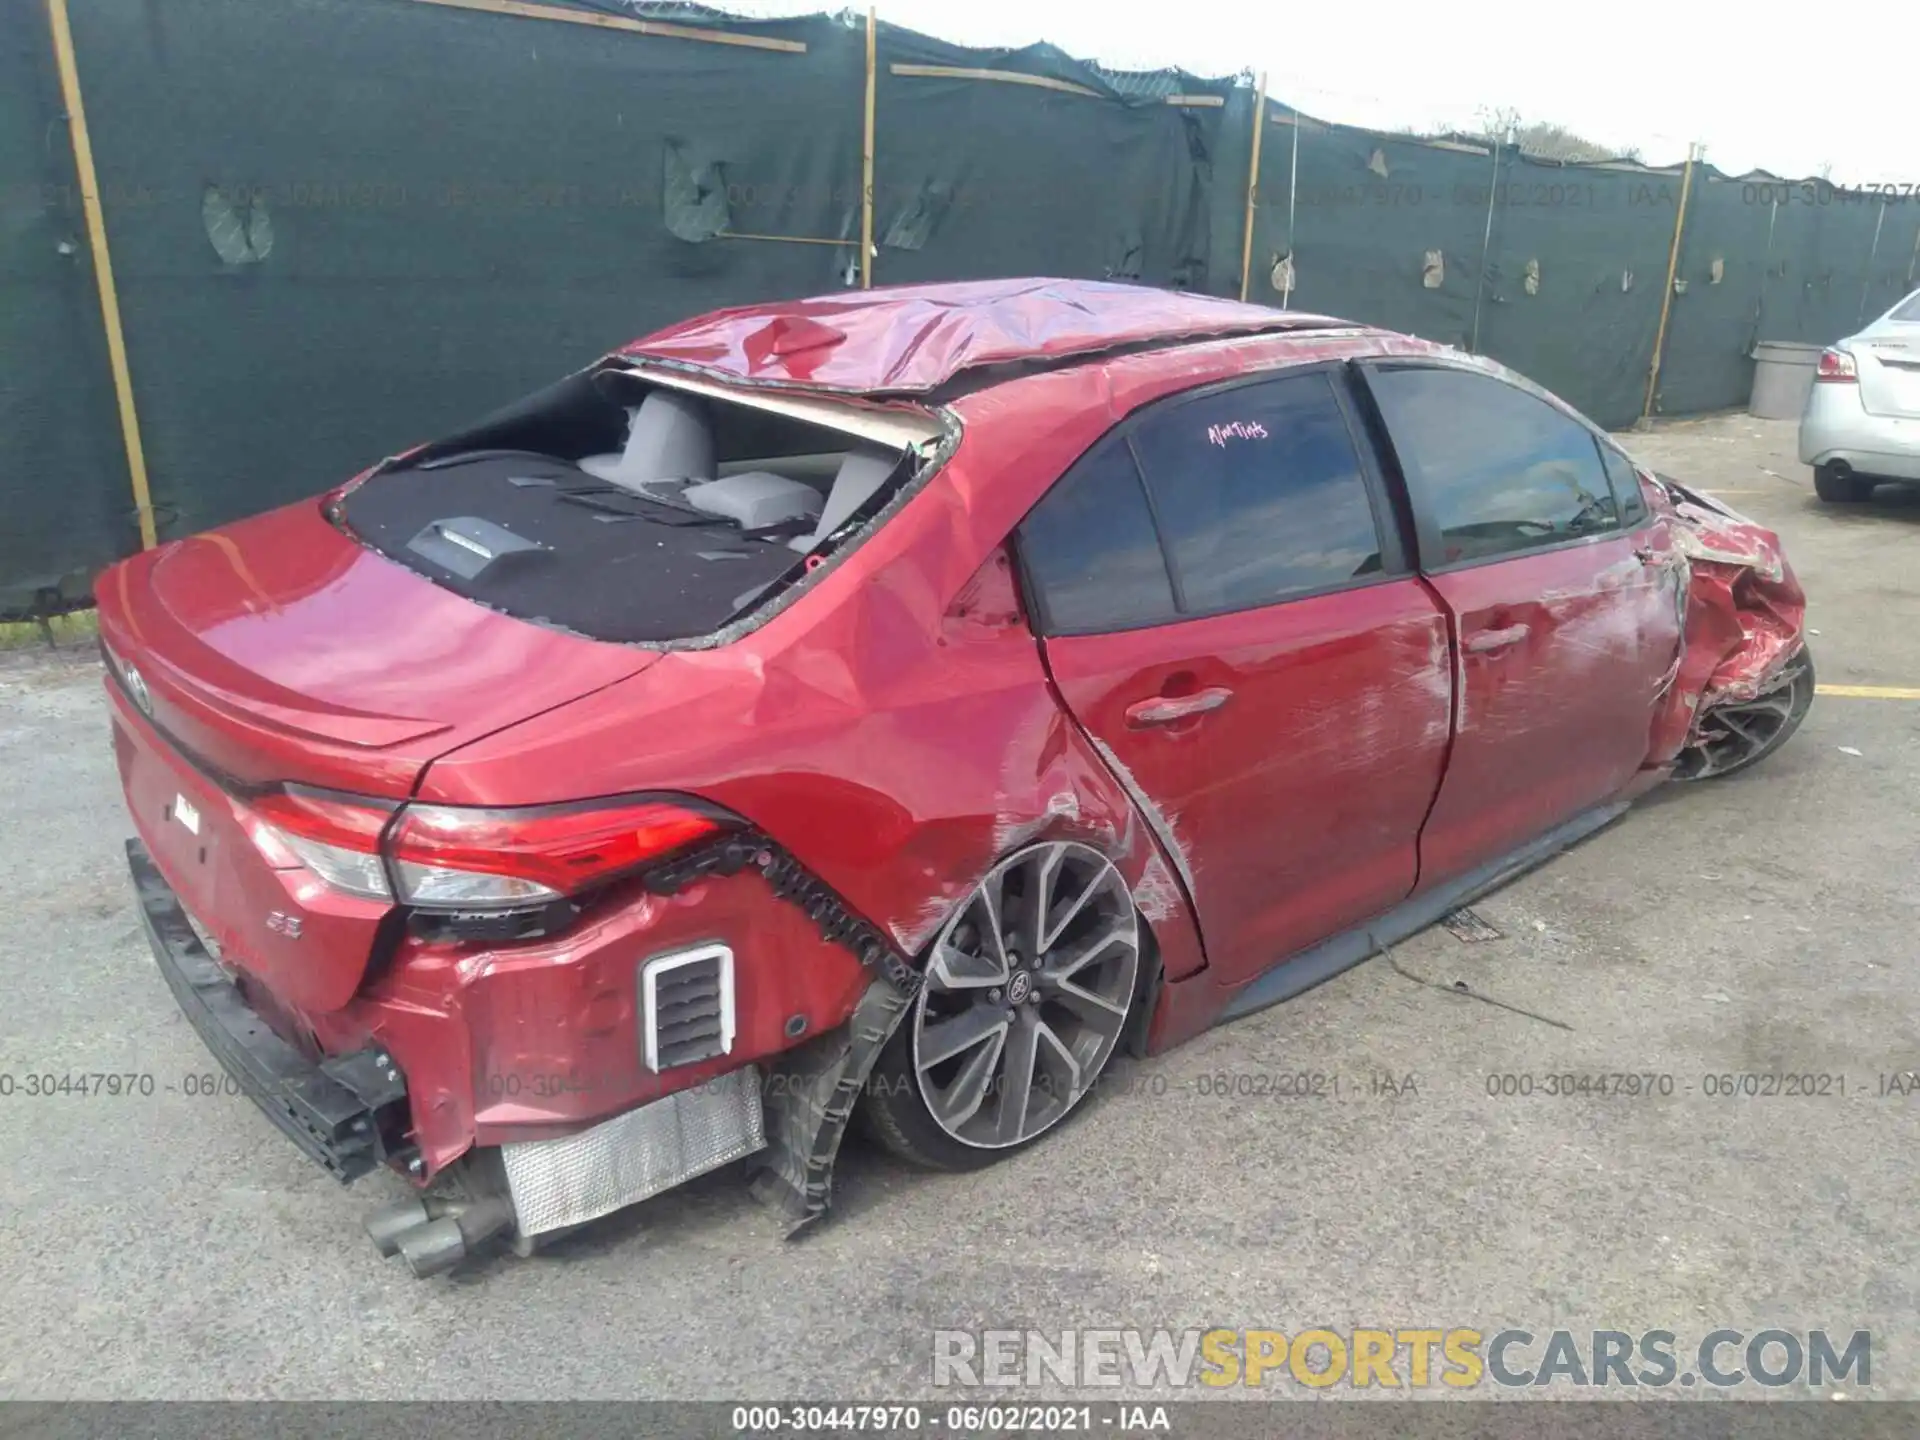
[1090, 549]
[1496, 469]
[1626, 486]
[1259, 493]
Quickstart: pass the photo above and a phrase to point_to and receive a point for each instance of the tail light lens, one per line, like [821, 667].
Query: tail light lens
[335, 837]
[452, 858]
[462, 858]
[1836, 366]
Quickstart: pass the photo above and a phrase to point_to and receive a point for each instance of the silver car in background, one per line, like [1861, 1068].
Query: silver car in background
[1862, 421]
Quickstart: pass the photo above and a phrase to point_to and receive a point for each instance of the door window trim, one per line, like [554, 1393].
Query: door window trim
[1396, 562]
[1427, 536]
[1634, 524]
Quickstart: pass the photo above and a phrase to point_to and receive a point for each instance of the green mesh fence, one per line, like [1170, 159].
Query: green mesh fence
[341, 226]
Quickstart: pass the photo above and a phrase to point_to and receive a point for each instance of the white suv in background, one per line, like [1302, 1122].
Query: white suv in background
[1862, 421]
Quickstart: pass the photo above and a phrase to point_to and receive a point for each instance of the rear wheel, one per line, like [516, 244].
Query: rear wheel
[1028, 990]
[1840, 486]
[1732, 737]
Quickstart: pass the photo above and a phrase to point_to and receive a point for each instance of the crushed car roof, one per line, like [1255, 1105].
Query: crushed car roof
[916, 339]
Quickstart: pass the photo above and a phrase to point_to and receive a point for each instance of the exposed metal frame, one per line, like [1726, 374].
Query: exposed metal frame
[899, 428]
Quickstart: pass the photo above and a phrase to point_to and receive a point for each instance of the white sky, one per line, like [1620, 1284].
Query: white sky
[1786, 87]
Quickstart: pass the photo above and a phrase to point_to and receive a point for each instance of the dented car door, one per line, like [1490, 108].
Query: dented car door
[1563, 598]
[1230, 614]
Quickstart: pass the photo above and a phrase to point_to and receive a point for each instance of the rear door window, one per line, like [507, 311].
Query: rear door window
[1092, 557]
[1491, 469]
[1259, 494]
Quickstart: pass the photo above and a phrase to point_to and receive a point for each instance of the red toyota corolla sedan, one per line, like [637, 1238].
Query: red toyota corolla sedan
[896, 702]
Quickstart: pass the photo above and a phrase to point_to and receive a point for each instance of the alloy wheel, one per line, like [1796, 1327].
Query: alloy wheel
[1735, 736]
[1027, 991]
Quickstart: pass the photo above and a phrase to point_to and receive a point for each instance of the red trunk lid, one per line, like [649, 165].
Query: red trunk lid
[281, 650]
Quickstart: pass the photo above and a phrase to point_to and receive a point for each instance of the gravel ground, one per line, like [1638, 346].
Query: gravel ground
[177, 1246]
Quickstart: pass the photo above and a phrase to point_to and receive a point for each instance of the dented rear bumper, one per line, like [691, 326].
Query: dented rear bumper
[348, 1112]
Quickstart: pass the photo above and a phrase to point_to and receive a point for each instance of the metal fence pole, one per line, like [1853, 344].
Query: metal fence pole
[1253, 184]
[1486, 241]
[866, 157]
[102, 267]
[1673, 267]
[1766, 273]
[1866, 285]
[1293, 191]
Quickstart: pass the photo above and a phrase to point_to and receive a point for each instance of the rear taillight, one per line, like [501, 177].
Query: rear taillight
[335, 837]
[459, 858]
[450, 858]
[1836, 366]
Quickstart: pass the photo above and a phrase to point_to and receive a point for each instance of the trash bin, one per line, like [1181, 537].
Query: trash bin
[1782, 378]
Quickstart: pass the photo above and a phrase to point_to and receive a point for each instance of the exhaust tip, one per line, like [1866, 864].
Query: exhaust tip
[386, 1225]
[433, 1248]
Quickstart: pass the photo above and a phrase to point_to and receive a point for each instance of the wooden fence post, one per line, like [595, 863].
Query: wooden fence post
[866, 156]
[1666, 295]
[1253, 184]
[102, 266]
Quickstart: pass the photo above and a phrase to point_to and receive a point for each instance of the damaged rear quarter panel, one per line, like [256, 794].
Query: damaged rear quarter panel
[895, 728]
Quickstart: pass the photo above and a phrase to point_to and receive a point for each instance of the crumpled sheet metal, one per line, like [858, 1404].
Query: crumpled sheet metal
[910, 340]
[1746, 612]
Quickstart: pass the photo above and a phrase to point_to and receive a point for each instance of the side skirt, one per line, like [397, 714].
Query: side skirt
[1327, 959]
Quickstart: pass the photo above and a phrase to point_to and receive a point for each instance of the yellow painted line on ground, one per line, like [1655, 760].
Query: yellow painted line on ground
[1869, 692]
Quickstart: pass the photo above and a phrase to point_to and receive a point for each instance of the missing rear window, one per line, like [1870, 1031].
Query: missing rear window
[629, 510]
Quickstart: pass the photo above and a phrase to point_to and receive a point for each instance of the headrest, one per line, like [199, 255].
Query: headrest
[864, 470]
[670, 438]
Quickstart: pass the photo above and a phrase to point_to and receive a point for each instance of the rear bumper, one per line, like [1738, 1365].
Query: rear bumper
[508, 1047]
[348, 1112]
[1836, 429]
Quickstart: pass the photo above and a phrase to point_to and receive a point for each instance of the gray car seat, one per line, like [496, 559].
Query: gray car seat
[754, 500]
[864, 470]
[668, 438]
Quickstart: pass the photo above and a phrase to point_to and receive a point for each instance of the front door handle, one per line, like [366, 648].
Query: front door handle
[1489, 640]
[1166, 709]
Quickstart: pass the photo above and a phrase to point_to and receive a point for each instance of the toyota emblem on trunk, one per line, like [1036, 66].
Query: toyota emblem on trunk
[137, 688]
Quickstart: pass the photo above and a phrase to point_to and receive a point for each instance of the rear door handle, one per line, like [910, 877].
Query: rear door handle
[1487, 640]
[1165, 709]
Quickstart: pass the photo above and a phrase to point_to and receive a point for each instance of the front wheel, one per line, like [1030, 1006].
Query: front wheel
[1732, 737]
[1028, 991]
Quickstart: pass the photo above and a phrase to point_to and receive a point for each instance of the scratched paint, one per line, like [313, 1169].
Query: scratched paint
[1162, 823]
[914, 936]
[1156, 895]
